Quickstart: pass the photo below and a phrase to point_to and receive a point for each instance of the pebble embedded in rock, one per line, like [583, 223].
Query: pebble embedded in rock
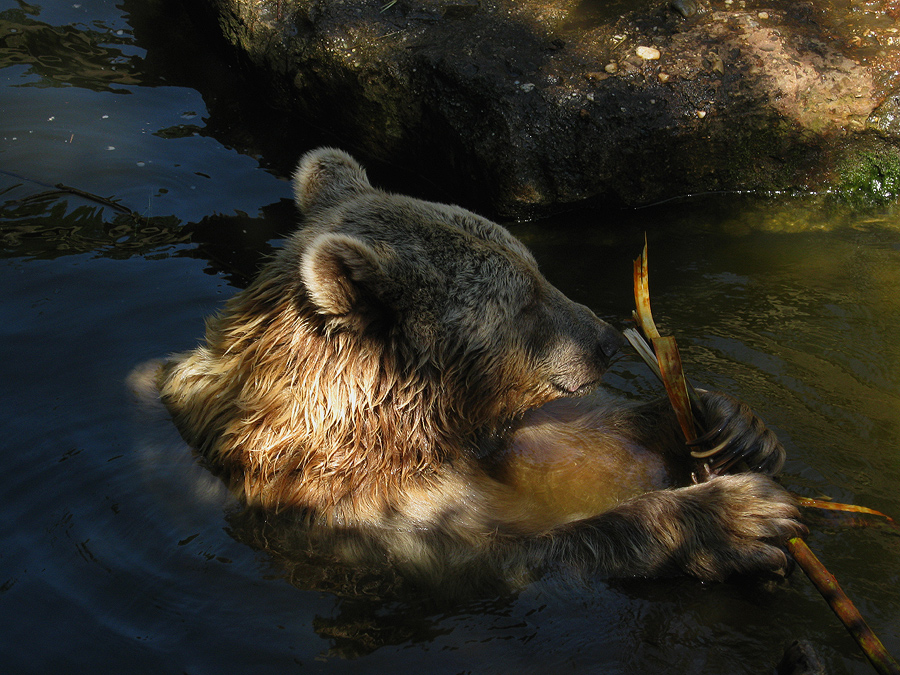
[647, 53]
[610, 68]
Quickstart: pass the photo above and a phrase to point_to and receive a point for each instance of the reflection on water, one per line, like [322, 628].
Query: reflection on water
[109, 562]
[96, 57]
[47, 227]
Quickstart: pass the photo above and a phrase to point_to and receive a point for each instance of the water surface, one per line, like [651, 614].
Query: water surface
[113, 558]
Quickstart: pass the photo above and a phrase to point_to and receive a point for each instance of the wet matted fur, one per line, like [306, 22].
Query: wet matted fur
[402, 372]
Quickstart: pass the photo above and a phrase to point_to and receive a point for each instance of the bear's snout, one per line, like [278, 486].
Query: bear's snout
[610, 341]
[599, 339]
[581, 358]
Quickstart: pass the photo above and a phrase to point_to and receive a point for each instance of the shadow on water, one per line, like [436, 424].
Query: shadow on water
[109, 562]
[42, 219]
[234, 245]
[101, 58]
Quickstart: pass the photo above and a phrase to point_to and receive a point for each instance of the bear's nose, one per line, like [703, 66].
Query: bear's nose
[611, 340]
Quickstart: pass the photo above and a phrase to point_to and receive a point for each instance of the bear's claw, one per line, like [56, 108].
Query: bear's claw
[737, 435]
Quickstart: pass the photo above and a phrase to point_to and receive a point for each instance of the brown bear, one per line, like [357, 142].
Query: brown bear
[401, 370]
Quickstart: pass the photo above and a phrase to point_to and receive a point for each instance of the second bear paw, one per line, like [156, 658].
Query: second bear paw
[738, 525]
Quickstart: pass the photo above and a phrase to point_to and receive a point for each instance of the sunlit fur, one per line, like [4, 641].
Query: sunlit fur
[398, 383]
[296, 415]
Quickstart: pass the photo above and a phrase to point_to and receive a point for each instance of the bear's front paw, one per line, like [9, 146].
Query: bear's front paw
[736, 438]
[741, 524]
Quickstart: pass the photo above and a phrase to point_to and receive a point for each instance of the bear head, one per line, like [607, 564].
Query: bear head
[441, 289]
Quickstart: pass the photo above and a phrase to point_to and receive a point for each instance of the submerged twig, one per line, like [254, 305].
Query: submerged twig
[843, 607]
[61, 188]
[666, 364]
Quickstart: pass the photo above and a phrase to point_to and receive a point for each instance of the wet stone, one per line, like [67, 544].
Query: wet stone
[886, 117]
[429, 84]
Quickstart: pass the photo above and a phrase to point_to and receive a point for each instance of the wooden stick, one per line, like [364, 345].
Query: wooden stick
[843, 607]
[672, 374]
[644, 318]
[848, 508]
[669, 369]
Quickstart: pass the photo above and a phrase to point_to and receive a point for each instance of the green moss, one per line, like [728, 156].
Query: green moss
[871, 179]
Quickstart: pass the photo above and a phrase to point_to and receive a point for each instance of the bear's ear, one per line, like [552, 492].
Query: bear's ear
[336, 270]
[325, 177]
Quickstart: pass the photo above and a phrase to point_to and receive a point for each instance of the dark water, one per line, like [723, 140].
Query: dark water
[109, 563]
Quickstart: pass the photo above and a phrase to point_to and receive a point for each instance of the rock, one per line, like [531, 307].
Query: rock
[800, 658]
[886, 117]
[647, 53]
[689, 8]
[524, 106]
